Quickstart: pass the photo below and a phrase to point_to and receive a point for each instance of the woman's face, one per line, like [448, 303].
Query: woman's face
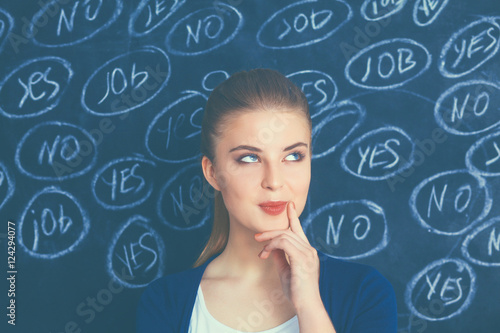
[263, 162]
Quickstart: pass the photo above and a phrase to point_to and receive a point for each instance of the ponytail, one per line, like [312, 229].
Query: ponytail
[220, 231]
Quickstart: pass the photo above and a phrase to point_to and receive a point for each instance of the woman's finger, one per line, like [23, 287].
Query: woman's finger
[273, 234]
[289, 245]
[295, 225]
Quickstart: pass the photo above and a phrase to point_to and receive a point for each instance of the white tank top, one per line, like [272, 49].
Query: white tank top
[203, 322]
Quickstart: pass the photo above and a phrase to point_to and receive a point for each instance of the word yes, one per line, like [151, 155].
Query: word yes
[378, 149]
[34, 79]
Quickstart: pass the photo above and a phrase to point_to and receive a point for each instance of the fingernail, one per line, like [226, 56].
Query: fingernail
[257, 235]
[293, 205]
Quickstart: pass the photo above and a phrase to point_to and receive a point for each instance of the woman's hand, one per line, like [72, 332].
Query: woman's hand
[300, 273]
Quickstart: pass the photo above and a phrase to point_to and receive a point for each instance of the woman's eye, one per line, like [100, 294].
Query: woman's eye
[249, 159]
[294, 157]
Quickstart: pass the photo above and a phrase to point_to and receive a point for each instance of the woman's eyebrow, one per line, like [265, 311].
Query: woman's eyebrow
[298, 144]
[251, 148]
[244, 147]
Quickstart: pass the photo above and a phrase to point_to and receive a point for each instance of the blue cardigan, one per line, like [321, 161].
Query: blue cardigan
[357, 298]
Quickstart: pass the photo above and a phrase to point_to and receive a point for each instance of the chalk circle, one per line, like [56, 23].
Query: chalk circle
[365, 222]
[271, 37]
[173, 135]
[396, 7]
[475, 114]
[390, 134]
[6, 25]
[155, 65]
[324, 88]
[15, 95]
[479, 196]
[431, 14]
[137, 235]
[150, 25]
[41, 23]
[178, 43]
[336, 125]
[64, 167]
[7, 185]
[360, 73]
[133, 196]
[484, 151]
[458, 70]
[66, 238]
[486, 235]
[418, 285]
[185, 200]
[213, 79]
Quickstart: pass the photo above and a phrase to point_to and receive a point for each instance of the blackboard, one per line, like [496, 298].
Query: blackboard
[100, 111]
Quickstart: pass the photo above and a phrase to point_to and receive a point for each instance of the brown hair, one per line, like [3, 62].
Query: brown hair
[257, 89]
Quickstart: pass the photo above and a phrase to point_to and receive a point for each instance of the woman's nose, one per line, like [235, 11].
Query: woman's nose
[273, 178]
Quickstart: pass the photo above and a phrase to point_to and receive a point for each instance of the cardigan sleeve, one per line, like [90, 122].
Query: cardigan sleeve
[153, 315]
[376, 309]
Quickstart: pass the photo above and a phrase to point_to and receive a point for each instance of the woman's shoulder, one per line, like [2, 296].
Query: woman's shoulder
[176, 281]
[163, 302]
[359, 295]
[353, 278]
[178, 284]
[167, 294]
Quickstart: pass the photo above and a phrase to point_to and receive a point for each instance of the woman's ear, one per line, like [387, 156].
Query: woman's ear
[209, 172]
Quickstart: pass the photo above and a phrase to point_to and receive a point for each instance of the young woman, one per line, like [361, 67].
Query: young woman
[258, 272]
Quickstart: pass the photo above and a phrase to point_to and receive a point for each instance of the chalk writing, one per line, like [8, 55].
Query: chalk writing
[470, 47]
[374, 10]
[451, 202]
[482, 245]
[173, 135]
[483, 157]
[52, 224]
[150, 14]
[388, 64]
[303, 23]
[55, 151]
[7, 185]
[335, 126]
[123, 183]
[469, 107]
[6, 24]
[213, 79]
[35, 87]
[204, 30]
[427, 11]
[115, 89]
[59, 24]
[137, 248]
[184, 202]
[348, 229]
[442, 290]
[319, 88]
[379, 154]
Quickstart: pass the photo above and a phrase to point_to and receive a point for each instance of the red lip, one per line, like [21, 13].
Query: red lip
[273, 207]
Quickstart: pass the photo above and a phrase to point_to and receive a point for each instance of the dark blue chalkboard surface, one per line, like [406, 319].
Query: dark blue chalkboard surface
[100, 110]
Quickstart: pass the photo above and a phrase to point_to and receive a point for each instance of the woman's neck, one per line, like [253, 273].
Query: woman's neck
[240, 260]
